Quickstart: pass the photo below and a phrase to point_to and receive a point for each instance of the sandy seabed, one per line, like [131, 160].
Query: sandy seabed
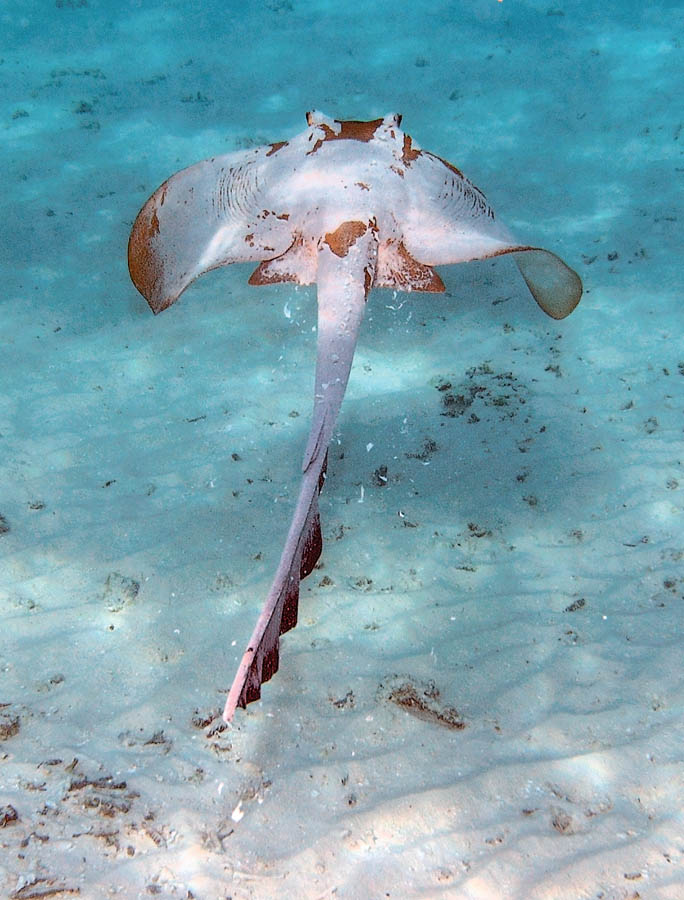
[484, 696]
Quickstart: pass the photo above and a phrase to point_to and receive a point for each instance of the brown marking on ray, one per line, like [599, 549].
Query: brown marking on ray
[144, 265]
[505, 251]
[284, 216]
[408, 154]
[341, 240]
[350, 130]
[450, 167]
[367, 280]
[364, 187]
[470, 191]
[275, 147]
[357, 131]
[419, 273]
[280, 268]
[402, 271]
[398, 171]
[263, 275]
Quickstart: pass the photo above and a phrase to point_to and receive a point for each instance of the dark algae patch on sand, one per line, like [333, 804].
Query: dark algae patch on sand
[420, 699]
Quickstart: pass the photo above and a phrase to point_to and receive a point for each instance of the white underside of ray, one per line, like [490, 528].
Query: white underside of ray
[448, 220]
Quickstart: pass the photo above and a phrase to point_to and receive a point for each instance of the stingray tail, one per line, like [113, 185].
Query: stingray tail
[345, 267]
[279, 614]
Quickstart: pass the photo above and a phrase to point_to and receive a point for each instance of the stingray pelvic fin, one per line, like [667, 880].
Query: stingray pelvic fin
[399, 270]
[297, 264]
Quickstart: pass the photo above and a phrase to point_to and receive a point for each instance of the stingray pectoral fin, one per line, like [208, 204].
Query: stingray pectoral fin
[450, 221]
[205, 216]
[554, 285]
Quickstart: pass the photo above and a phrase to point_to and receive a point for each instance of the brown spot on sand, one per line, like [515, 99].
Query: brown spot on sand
[9, 725]
[8, 816]
[420, 700]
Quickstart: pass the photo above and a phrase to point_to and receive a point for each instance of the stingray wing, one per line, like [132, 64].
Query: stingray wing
[554, 285]
[208, 215]
[449, 221]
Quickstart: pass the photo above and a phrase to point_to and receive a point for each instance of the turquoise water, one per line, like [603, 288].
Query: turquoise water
[521, 563]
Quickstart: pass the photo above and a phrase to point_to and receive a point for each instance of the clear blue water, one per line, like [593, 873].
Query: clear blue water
[541, 586]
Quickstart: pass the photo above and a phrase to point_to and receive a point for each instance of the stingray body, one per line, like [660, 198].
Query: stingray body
[350, 206]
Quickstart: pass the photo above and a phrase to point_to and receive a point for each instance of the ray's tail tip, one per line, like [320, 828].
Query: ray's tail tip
[235, 698]
[229, 710]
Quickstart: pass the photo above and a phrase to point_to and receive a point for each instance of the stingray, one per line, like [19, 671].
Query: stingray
[350, 206]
